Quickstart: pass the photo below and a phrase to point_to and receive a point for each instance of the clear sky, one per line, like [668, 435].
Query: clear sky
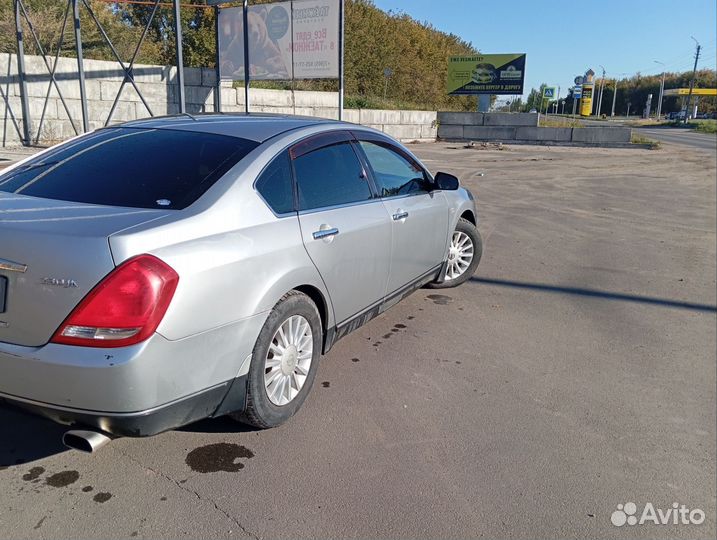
[564, 39]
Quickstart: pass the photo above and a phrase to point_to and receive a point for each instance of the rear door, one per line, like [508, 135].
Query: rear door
[344, 226]
[418, 215]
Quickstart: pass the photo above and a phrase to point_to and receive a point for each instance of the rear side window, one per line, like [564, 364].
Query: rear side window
[140, 168]
[394, 173]
[330, 176]
[274, 185]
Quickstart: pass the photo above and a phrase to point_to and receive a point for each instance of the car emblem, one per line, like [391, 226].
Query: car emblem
[55, 282]
[10, 266]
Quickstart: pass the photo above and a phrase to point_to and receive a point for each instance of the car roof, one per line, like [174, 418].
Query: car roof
[252, 126]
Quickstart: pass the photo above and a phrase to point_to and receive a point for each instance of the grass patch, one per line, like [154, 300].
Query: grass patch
[369, 102]
[636, 138]
[643, 122]
[705, 126]
[553, 121]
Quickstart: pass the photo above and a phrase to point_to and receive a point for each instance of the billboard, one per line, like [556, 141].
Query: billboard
[586, 100]
[298, 39]
[486, 74]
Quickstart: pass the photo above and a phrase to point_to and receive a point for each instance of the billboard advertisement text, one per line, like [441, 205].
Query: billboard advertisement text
[305, 46]
[486, 74]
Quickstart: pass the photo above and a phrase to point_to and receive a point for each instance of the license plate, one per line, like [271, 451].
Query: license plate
[3, 293]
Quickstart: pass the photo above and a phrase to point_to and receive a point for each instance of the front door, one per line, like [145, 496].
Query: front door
[419, 216]
[344, 226]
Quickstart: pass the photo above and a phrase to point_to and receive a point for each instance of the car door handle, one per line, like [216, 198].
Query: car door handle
[325, 233]
[400, 215]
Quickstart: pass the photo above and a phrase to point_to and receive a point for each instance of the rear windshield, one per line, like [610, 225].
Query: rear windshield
[140, 168]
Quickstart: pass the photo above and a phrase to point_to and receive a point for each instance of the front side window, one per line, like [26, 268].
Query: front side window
[394, 174]
[132, 167]
[274, 184]
[330, 176]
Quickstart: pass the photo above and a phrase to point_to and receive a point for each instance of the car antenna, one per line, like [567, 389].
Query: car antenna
[189, 115]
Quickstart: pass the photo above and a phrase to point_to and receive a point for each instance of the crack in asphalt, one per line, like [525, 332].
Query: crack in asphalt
[190, 491]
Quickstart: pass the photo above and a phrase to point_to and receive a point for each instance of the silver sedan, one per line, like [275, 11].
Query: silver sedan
[167, 270]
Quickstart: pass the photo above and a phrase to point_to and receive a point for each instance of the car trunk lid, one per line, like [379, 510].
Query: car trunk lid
[52, 253]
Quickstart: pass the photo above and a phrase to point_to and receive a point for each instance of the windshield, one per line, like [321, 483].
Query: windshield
[139, 168]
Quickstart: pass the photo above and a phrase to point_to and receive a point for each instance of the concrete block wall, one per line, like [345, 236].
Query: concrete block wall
[523, 127]
[159, 96]
[477, 125]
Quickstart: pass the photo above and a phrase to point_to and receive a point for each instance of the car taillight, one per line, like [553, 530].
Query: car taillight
[125, 308]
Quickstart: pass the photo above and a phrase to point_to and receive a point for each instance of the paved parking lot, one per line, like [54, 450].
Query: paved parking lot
[575, 372]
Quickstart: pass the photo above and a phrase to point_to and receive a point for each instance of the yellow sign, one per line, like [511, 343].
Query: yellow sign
[486, 74]
[586, 101]
[695, 92]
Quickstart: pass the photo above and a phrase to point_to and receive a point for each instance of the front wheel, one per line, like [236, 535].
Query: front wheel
[284, 362]
[464, 254]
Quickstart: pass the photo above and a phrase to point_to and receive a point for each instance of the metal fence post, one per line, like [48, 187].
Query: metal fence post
[80, 64]
[218, 87]
[180, 56]
[245, 30]
[341, 59]
[21, 75]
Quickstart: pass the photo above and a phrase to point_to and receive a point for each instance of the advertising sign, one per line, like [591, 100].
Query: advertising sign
[486, 74]
[586, 101]
[298, 39]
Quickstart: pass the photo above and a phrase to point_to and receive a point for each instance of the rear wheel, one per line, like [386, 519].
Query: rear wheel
[284, 362]
[464, 254]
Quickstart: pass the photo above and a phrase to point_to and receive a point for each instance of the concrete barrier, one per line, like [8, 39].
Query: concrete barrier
[557, 134]
[489, 132]
[450, 132]
[487, 119]
[510, 119]
[601, 135]
[159, 89]
[523, 128]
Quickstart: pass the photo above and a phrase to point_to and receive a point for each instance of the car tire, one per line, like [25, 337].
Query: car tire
[466, 233]
[269, 406]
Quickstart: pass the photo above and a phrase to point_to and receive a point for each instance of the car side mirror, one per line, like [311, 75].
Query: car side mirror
[446, 181]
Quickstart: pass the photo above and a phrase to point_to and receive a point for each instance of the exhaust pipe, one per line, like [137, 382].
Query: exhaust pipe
[85, 441]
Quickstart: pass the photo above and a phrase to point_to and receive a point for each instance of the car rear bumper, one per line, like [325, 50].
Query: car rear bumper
[221, 399]
[167, 382]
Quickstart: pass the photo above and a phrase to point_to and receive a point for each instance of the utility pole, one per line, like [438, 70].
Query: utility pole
[557, 100]
[692, 81]
[602, 86]
[662, 89]
[614, 96]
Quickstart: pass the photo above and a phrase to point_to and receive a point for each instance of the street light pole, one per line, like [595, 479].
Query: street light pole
[602, 87]
[614, 97]
[692, 81]
[662, 89]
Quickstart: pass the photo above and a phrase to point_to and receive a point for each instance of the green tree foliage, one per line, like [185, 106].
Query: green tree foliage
[416, 52]
[47, 17]
[635, 90]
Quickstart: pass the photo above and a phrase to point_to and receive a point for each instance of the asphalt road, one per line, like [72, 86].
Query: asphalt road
[688, 137]
[575, 372]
